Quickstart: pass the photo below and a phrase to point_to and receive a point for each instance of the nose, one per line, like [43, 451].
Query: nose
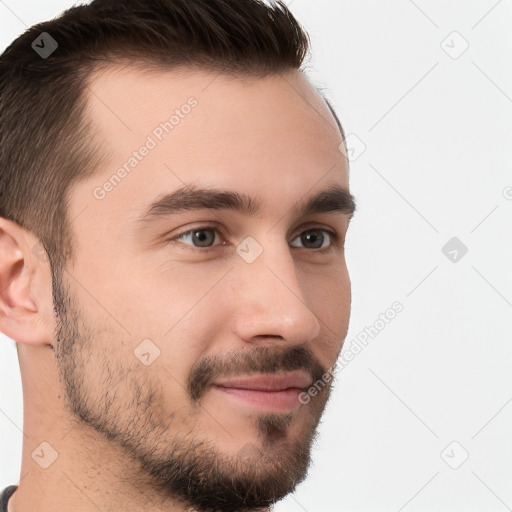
[272, 303]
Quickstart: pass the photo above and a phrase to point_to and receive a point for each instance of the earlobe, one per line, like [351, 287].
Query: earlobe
[21, 312]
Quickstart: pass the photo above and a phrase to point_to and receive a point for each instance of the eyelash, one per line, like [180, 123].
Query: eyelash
[333, 235]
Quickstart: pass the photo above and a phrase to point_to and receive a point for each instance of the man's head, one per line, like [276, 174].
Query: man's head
[181, 356]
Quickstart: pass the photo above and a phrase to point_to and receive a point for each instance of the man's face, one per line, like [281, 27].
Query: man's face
[170, 316]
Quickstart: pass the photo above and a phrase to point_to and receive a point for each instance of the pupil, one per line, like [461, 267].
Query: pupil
[200, 237]
[308, 238]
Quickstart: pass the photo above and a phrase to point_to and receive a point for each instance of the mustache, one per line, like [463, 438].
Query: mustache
[244, 362]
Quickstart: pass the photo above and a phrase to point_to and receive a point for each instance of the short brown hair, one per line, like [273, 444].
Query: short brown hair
[46, 143]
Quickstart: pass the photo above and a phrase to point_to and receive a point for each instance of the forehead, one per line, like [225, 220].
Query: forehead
[229, 131]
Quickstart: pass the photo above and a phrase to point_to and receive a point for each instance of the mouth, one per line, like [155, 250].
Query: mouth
[270, 393]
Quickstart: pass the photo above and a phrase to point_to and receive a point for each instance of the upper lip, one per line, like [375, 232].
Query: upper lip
[268, 382]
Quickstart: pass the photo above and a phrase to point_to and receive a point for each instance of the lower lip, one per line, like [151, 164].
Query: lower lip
[273, 401]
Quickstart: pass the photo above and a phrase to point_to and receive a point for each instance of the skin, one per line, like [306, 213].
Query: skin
[116, 423]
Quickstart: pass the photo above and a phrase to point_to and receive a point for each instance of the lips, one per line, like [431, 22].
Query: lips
[275, 393]
[274, 382]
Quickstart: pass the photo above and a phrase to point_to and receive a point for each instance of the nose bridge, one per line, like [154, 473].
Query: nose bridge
[271, 302]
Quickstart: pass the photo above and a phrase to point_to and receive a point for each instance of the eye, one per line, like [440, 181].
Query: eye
[203, 237]
[316, 239]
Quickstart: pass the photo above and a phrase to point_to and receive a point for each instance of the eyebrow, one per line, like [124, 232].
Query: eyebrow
[333, 199]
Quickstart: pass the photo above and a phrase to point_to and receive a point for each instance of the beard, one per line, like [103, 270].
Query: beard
[167, 456]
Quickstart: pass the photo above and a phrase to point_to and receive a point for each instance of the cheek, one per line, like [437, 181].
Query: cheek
[158, 300]
[329, 297]
[328, 294]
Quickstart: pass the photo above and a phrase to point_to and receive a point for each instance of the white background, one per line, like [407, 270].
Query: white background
[431, 160]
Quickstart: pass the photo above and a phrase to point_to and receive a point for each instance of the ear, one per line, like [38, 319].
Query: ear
[26, 306]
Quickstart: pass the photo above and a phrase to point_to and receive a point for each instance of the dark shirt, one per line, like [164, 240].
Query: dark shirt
[4, 497]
